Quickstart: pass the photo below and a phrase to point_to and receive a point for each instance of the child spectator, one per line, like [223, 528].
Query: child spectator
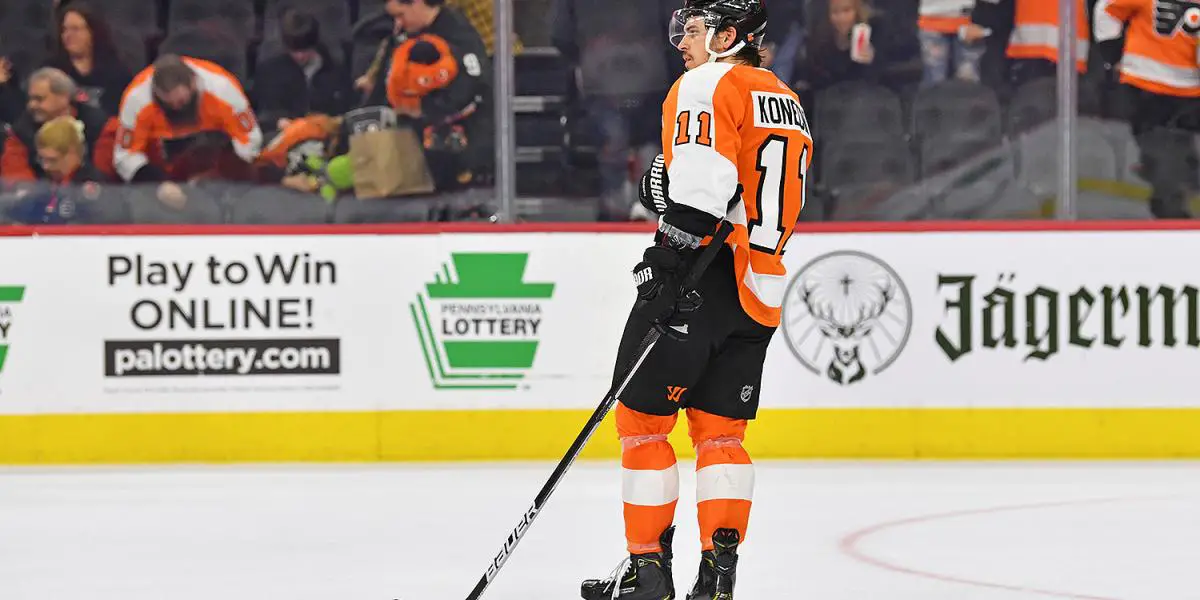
[62, 152]
[303, 79]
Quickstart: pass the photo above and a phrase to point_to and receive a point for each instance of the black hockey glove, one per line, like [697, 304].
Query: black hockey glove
[658, 278]
[653, 189]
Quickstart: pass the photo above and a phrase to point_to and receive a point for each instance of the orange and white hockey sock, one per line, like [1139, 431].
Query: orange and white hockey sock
[650, 477]
[724, 474]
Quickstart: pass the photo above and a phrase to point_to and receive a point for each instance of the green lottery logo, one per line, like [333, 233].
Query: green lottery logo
[9, 295]
[479, 322]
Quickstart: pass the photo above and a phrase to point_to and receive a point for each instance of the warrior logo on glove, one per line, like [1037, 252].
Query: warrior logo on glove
[653, 189]
[643, 276]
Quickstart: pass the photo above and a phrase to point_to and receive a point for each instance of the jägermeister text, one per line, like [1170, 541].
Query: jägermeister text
[1042, 320]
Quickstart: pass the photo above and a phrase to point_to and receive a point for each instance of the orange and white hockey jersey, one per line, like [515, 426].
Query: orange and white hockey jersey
[1035, 31]
[737, 146]
[1160, 46]
[222, 107]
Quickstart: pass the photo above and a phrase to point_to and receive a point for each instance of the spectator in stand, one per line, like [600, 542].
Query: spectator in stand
[11, 99]
[52, 95]
[946, 52]
[62, 152]
[479, 13]
[1026, 32]
[456, 118]
[85, 52]
[304, 79]
[74, 183]
[892, 57]
[199, 116]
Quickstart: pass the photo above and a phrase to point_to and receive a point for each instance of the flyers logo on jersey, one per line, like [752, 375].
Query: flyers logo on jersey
[779, 111]
[1173, 15]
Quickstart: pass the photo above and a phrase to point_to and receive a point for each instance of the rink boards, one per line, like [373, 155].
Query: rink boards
[998, 340]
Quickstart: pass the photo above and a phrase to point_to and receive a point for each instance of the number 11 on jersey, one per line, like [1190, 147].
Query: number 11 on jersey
[684, 128]
[767, 228]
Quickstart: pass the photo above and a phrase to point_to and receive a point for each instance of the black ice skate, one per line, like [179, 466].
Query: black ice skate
[718, 568]
[639, 577]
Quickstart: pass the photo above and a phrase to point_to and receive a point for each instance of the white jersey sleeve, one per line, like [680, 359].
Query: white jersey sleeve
[701, 118]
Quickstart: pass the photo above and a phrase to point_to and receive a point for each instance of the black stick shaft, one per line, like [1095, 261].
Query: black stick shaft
[644, 348]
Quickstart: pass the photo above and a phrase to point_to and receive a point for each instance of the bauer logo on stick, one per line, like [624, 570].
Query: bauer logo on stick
[511, 543]
[847, 315]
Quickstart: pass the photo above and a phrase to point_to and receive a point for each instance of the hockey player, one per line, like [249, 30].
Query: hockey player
[736, 147]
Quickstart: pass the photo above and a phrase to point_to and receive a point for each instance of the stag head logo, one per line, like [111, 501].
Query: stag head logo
[847, 315]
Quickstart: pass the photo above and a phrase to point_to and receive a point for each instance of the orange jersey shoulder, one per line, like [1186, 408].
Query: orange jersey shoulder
[737, 146]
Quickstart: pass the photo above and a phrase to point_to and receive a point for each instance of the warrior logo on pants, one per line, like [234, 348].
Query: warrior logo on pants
[847, 315]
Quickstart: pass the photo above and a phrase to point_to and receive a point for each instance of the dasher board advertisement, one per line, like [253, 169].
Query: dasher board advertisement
[271, 323]
[988, 319]
[231, 323]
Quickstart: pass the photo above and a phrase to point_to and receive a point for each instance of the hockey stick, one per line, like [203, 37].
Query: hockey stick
[647, 344]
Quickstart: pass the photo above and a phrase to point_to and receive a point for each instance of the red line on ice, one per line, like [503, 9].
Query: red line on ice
[849, 546]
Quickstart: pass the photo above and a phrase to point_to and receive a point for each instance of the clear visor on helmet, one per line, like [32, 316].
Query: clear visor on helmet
[688, 22]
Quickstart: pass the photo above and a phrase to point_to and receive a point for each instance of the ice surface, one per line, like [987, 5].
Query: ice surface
[827, 531]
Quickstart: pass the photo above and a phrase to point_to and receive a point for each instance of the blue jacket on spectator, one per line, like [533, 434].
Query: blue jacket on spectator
[58, 203]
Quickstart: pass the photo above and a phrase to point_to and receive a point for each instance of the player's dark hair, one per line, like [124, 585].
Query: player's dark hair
[749, 54]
